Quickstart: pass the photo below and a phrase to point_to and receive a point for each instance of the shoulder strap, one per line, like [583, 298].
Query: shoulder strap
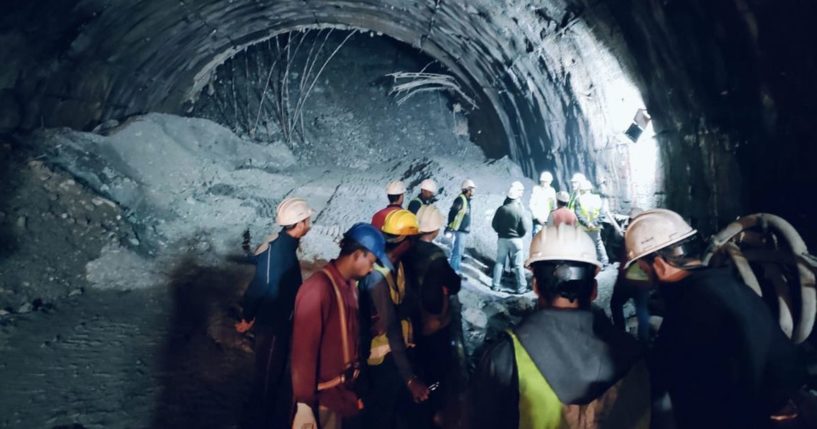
[344, 336]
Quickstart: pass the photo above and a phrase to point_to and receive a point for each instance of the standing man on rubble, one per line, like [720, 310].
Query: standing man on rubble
[436, 285]
[719, 354]
[387, 309]
[588, 212]
[325, 361]
[511, 224]
[542, 201]
[396, 192]
[267, 308]
[565, 366]
[428, 189]
[459, 222]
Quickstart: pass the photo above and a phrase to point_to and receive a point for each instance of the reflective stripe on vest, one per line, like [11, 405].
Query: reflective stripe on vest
[379, 346]
[539, 407]
[455, 224]
[590, 206]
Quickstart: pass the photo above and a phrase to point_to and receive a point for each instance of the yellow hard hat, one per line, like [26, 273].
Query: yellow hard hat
[401, 223]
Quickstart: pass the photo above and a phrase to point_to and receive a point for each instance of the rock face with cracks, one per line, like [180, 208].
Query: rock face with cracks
[723, 80]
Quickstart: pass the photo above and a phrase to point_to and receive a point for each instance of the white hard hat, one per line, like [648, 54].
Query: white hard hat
[562, 243]
[430, 219]
[516, 190]
[585, 185]
[396, 188]
[563, 196]
[292, 210]
[429, 186]
[546, 177]
[578, 178]
[654, 230]
[468, 184]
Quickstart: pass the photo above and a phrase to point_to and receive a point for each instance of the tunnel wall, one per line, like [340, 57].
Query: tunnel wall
[728, 82]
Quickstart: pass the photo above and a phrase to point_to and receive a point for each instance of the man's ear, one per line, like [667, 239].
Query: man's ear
[666, 272]
[535, 286]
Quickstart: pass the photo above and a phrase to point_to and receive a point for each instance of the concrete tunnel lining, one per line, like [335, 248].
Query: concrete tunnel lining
[154, 58]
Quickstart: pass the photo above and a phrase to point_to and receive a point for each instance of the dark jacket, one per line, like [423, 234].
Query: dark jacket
[578, 352]
[379, 314]
[270, 298]
[511, 220]
[417, 202]
[428, 271]
[721, 355]
[459, 217]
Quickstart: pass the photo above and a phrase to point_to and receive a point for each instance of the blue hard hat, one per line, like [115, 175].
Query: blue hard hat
[370, 238]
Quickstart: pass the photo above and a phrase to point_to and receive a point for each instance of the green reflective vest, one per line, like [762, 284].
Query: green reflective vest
[455, 224]
[625, 405]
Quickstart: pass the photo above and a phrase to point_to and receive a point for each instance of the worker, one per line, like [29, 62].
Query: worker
[542, 201]
[565, 365]
[562, 214]
[511, 224]
[459, 223]
[436, 285]
[588, 212]
[267, 308]
[428, 191]
[396, 192]
[387, 310]
[632, 283]
[575, 184]
[324, 355]
[719, 353]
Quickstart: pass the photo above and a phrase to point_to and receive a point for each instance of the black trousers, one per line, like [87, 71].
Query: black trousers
[387, 400]
[270, 406]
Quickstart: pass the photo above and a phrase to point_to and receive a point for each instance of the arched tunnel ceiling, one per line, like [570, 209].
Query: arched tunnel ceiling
[721, 78]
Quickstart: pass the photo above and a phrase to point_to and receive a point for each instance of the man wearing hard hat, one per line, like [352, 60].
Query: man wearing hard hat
[396, 192]
[459, 222]
[542, 201]
[564, 366]
[719, 353]
[426, 197]
[511, 224]
[267, 309]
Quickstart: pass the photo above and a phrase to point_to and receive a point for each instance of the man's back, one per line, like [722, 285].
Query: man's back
[721, 355]
[591, 368]
[510, 220]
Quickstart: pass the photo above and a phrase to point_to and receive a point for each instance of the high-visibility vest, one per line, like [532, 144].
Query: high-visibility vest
[540, 408]
[589, 206]
[379, 346]
[455, 224]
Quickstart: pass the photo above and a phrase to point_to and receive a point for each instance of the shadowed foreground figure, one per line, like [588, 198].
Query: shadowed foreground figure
[325, 363]
[719, 353]
[565, 365]
[267, 309]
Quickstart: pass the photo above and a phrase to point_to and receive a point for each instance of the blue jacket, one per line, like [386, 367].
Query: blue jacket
[270, 298]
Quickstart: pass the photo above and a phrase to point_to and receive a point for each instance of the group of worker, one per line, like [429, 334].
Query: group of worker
[366, 341]
[582, 208]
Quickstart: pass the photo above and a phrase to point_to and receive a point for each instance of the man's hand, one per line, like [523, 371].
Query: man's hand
[304, 417]
[449, 235]
[418, 389]
[243, 326]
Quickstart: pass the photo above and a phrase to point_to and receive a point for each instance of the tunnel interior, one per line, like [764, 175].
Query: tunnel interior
[141, 139]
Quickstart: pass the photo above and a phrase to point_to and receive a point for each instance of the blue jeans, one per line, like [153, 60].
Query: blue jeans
[457, 249]
[601, 251]
[511, 249]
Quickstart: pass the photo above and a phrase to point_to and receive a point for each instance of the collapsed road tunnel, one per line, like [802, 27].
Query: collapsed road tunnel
[551, 85]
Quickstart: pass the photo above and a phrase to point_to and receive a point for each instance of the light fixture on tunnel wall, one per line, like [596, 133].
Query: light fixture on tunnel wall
[640, 122]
